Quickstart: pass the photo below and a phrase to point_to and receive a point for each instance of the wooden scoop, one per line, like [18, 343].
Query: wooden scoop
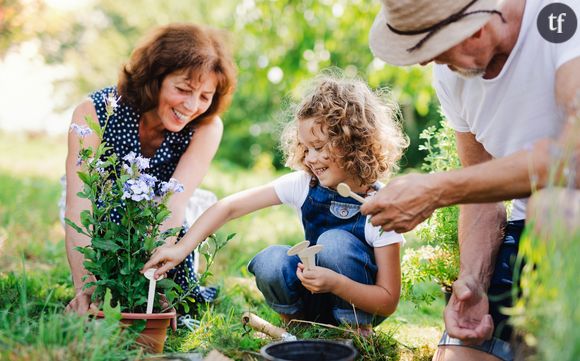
[344, 190]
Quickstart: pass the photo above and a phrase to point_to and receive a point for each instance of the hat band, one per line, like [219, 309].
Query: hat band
[433, 29]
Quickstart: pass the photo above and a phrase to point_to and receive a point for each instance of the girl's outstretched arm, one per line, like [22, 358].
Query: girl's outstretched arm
[231, 207]
[381, 298]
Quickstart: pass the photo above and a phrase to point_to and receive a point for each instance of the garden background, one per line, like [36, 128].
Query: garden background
[277, 45]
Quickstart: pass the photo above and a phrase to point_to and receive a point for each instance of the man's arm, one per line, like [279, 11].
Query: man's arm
[515, 176]
[490, 182]
[480, 234]
[480, 225]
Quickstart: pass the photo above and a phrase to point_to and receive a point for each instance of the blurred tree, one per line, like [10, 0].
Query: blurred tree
[278, 44]
[15, 24]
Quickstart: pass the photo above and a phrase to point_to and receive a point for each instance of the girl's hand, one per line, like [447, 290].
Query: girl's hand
[165, 258]
[318, 279]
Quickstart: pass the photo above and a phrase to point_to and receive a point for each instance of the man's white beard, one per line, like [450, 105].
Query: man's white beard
[468, 73]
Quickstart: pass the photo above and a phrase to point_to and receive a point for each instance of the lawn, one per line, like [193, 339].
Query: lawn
[35, 282]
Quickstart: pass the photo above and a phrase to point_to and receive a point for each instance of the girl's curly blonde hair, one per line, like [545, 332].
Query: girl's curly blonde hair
[363, 134]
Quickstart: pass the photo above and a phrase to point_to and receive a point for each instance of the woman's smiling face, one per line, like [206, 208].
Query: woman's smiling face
[183, 97]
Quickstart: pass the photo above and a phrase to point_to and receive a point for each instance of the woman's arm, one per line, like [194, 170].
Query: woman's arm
[192, 167]
[231, 207]
[75, 205]
[380, 299]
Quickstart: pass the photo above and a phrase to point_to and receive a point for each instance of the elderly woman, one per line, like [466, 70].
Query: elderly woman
[170, 95]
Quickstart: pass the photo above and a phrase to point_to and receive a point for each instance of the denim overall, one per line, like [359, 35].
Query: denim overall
[336, 223]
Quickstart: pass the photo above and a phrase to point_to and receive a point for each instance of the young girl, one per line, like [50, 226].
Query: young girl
[342, 132]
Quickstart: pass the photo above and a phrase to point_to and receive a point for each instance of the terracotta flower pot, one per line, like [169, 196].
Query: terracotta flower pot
[155, 333]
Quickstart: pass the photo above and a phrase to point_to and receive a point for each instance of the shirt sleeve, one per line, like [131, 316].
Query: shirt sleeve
[441, 78]
[569, 49]
[292, 188]
[376, 238]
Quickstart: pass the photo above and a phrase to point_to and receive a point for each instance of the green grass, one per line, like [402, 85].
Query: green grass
[31, 236]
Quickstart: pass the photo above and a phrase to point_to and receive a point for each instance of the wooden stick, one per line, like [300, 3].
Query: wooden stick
[261, 325]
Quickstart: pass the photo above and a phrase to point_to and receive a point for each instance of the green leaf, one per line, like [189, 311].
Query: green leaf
[162, 215]
[86, 218]
[75, 227]
[112, 314]
[105, 245]
[138, 326]
[166, 284]
[185, 306]
[94, 126]
[85, 178]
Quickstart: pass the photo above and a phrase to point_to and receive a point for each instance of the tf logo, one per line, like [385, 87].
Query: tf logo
[557, 22]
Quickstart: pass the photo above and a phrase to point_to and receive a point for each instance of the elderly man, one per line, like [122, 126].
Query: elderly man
[510, 94]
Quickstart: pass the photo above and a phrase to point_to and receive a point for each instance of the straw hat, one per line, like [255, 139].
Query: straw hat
[407, 32]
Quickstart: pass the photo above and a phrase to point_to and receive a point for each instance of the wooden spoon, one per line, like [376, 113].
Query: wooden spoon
[344, 190]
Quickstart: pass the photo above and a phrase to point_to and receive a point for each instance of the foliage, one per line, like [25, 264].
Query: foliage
[438, 259]
[209, 250]
[546, 311]
[221, 328]
[33, 328]
[22, 176]
[120, 247]
[277, 45]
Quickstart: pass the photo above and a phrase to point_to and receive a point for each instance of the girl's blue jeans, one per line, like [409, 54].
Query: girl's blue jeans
[343, 253]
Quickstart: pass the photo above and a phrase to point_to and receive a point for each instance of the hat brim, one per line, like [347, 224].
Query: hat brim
[392, 48]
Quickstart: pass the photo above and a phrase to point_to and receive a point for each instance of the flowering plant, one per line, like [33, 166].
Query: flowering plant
[124, 219]
[437, 259]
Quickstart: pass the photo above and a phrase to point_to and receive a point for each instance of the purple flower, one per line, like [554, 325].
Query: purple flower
[148, 179]
[128, 169]
[137, 190]
[130, 157]
[80, 130]
[111, 103]
[142, 163]
[99, 167]
[173, 186]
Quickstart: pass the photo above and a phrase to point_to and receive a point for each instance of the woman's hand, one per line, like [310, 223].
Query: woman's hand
[165, 258]
[81, 303]
[318, 279]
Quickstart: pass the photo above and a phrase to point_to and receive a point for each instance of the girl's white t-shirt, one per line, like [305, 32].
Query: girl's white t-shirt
[518, 107]
[292, 189]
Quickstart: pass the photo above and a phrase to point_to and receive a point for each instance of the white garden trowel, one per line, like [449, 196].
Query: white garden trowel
[305, 253]
[152, 285]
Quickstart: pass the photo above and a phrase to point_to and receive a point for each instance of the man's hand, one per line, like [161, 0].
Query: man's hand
[165, 258]
[80, 304]
[466, 315]
[404, 202]
[317, 279]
